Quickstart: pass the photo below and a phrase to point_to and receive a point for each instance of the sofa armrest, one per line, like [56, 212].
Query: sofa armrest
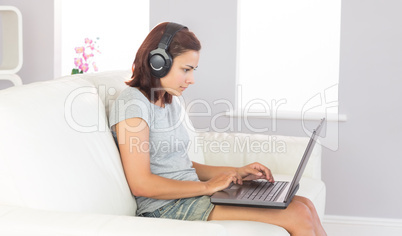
[282, 154]
[26, 221]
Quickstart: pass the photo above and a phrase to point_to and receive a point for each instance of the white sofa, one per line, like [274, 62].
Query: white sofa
[60, 170]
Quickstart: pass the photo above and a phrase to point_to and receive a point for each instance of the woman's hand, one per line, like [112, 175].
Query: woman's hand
[222, 181]
[237, 176]
[255, 171]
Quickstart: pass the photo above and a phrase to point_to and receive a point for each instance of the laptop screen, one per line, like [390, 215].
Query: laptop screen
[304, 160]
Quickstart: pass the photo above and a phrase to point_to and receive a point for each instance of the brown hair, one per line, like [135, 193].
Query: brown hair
[183, 41]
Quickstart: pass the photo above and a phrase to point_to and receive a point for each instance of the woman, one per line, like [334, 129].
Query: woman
[145, 121]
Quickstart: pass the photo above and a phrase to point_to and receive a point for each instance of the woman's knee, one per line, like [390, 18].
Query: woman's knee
[302, 215]
[305, 201]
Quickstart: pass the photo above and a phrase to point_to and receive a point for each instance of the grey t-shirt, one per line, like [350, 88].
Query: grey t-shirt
[168, 139]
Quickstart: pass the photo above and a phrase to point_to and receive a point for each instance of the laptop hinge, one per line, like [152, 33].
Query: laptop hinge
[290, 196]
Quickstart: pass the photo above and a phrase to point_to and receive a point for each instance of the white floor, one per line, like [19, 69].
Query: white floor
[353, 226]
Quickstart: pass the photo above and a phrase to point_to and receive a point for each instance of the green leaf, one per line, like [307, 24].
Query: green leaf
[75, 71]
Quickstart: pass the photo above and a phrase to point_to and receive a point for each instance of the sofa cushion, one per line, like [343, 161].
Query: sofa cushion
[58, 153]
[109, 84]
[242, 228]
[20, 221]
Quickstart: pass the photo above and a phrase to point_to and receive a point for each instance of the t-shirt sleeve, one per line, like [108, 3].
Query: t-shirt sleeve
[130, 104]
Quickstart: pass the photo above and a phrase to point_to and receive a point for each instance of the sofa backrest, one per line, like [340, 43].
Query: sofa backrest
[109, 85]
[56, 151]
[282, 154]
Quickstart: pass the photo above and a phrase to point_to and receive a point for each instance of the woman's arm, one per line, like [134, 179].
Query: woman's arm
[133, 139]
[248, 172]
[206, 172]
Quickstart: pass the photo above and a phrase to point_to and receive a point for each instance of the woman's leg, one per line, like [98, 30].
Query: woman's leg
[297, 218]
[319, 229]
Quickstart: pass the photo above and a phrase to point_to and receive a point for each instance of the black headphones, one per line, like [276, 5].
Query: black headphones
[160, 59]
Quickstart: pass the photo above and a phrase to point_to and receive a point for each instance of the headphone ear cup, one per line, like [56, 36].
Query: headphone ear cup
[160, 62]
[159, 59]
[157, 64]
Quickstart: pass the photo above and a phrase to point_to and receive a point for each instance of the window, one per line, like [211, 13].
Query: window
[118, 27]
[288, 57]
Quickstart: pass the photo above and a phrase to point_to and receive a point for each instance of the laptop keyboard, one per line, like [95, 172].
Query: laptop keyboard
[263, 191]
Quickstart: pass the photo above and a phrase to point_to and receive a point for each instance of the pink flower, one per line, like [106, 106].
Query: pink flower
[88, 41]
[79, 49]
[84, 67]
[84, 59]
[95, 66]
[86, 56]
[78, 62]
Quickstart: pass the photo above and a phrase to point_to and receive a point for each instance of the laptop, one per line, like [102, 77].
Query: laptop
[261, 193]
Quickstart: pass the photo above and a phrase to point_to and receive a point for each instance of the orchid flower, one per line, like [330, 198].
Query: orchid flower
[86, 56]
[95, 66]
[84, 67]
[78, 62]
[84, 59]
[88, 41]
[79, 49]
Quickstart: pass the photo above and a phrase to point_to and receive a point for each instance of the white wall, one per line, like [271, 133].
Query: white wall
[214, 23]
[368, 162]
[369, 153]
[38, 40]
[361, 174]
[120, 32]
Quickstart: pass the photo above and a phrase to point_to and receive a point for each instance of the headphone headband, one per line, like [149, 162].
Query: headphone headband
[160, 59]
[170, 32]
